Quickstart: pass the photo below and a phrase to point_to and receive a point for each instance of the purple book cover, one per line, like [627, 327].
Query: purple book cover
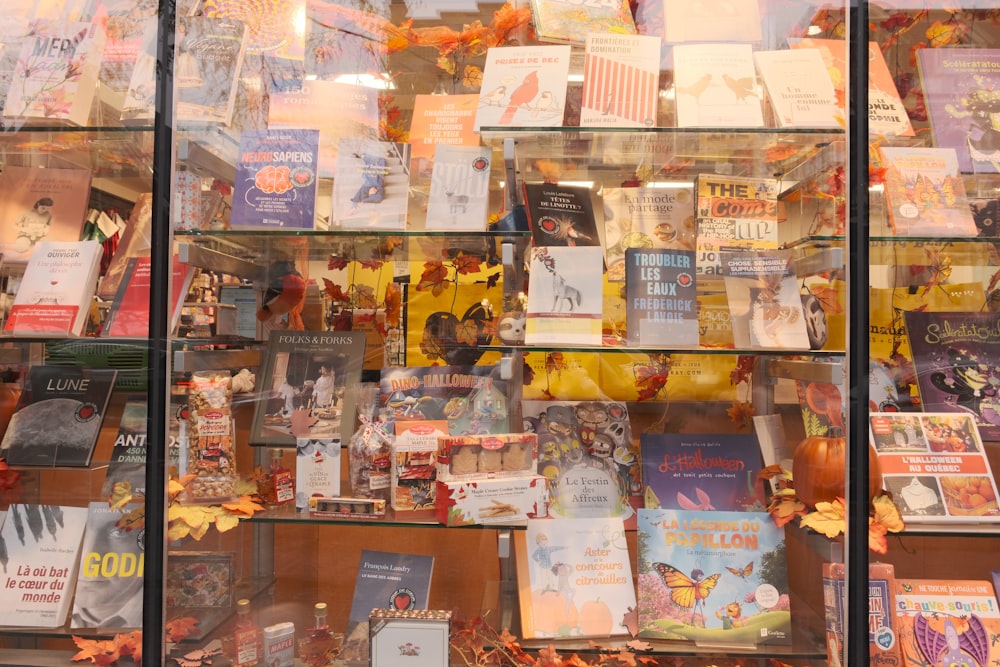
[276, 179]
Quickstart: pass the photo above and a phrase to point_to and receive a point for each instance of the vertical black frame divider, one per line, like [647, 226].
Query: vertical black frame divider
[856, 549]
[158, 373]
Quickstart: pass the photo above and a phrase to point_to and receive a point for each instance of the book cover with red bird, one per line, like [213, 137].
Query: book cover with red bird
[524, 86]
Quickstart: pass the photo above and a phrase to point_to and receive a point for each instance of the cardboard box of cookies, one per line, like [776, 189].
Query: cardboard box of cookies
[502, 500]
[488, 456]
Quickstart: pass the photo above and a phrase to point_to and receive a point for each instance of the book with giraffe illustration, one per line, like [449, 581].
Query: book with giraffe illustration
[524, 86]
[565, 299]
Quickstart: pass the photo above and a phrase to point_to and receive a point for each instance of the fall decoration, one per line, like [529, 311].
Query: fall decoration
[819, 467]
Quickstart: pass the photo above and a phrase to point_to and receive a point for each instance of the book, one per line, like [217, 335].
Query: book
[883, 635]
[734, 212]
[523, 86]
[579, 567]
[661, 304]
[344, 43]
[955, 354]
[712, 577]
[695, 471]
[55, 78]
[40, 204]
[935, 466]
[129, 313]
[440, 120]
[565, 22]
[586, 452]
[56, 290]
[138, 104]
[947, 621]
[565, 302]
[276, 178]
[765, 307]
[799, 88]
[135, 241]
[210, 54]
[924, 192]
[128, 454]
[304, 387]
[58, 416]
[560, 215]
[621, 80]
[645, 217]
[958, 88]
[317, 470]
[473, 399]
[112, 559]
[715, 85]
[371, 185]
[460, 188]
[731, 21]
[42, 543]
[125, 25]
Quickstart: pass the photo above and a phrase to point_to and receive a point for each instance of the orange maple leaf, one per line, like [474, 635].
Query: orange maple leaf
[467, 264]
[555, 361]
[434, 278]
[335, 292]
[393, 304]
[876, 537]
[741, 413]
[467, 332]
[886, 513]
[244, 506]
[364, 297]
[179, 629]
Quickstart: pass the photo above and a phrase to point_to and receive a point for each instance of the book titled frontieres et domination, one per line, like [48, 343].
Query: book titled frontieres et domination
[620, 80]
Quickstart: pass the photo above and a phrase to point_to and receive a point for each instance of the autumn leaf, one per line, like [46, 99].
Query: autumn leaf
[943, 34]
[887, 514]
[785, 507]
[364, 297]
[467, 332]
[334, 291]
[434, 278]
[336, 263]
[174, 489]
[829, 518]
[121, 495]
[555, 362]
[876, 537]
[472, 77]
[179, 629]
[393, 304]
[371, 264]
[467, 264]
[741, 413]
[132, 520]
[772, 471]
[245, 506]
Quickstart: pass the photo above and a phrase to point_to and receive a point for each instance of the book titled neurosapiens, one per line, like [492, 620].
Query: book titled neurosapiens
[460, 188]
[925, 193]
[524, 86]
[42, 543]
[276, 177]
[645, 217]
[799, 88]
[661, 302]
[210, 54]
[567, 22]
[39, 204]
[621, 74]
[765, 306]
[715, 85]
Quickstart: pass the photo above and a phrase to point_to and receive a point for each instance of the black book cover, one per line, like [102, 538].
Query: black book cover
[128, 456]
[560, 215]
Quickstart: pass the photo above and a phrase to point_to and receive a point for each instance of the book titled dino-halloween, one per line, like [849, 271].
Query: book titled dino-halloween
[472, 399]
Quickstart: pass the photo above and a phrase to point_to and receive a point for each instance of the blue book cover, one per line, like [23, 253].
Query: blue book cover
[713, 577]
[276, 179]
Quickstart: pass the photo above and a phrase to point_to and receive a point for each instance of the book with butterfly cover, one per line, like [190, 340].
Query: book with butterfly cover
[578, 563]
[713, 577]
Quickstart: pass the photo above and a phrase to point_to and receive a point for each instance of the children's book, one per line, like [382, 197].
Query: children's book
[692, 471]
[58, 416]
[731, 21]
[523, 86]
[40, 205]
[564, 21]
[128, 454]
[129, 313]
[661, 304]
[765, 306]
[734, 212]
[112, 559]
[371, 185]
[577, 566]
[715, 85]
[713, 577]
[621, 75]
[935, 466]
[42, 544]
[645, 218]
[799, 88]
[586, 452]
[565, 304]
[210, 54]
[276, 180]
[473, 399]
[460, 188]
[925, 193]
[883, 631]
[560, 215]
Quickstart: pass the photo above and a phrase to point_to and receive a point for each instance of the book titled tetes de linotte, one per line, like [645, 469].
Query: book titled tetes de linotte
[276, 179]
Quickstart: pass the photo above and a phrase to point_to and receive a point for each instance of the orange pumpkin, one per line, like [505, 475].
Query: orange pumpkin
[818, 469]
[552, 614]
[595, 619]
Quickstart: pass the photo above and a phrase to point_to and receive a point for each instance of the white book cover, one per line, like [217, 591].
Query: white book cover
[765, 305]
[42, 543]
[460, 188]
[711, 21]
[524, 86]
[646, 217]
[621, 76]
[715, 85]
[799, 88]
[371, 185]
[317, 469]
[564, 296]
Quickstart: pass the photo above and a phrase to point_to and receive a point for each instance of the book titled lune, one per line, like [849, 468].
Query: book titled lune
[276, 179]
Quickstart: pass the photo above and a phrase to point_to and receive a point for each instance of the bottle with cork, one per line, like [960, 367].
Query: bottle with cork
[320, 646]
[245, 643]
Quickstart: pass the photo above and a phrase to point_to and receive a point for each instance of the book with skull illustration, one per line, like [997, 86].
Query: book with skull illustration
[564, 296]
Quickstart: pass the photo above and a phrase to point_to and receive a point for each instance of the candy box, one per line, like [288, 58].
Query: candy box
[487, 456]
[401, 638]
[503, 500]
[413, 452]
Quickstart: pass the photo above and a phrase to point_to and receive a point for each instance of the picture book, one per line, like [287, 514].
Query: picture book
[883, 634]
[460, 188]
[957, 360]
[693, 471]
[128, 454]
[925, 193]
[440, 120]
[124, 24]
[129, 313]
[935, 466]
[586, 452]
[560, 215]
[734, 212]
[580, 566]
[565, 303]
[566, 22]
[317, 470]
[55, 78]
[799, 87]
[473, 399]
[40, 205]
[621, 80]
[342, 42]
[661, 302]
[645, 218]
[58, 416]
[715, 85]
[713, 577]
[276, 177]
[303, 387]
[765, 307]
[56, 290]
[732, 21]
[523, 86]
[886, 114]
[947, 622]
[109, 586]
[209, 59]
[958, 90]
[371, 185]
[42, 543]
